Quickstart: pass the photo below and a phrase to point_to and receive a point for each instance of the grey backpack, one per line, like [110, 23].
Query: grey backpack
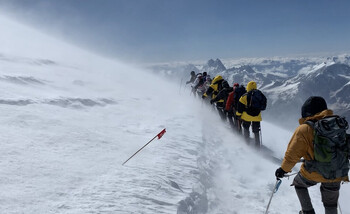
[331, 147]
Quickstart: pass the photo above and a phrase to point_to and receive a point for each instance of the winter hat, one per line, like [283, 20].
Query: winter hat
[312, 106]
[225, 84]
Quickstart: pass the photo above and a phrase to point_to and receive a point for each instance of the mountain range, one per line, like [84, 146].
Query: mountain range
[70, 118]
[287, 82]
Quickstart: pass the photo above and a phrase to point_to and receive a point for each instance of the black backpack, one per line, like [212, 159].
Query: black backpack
[256, 102]
[331, 147]
[239, 91]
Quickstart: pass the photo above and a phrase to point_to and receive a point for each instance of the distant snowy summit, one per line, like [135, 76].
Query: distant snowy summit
[213, 66]
[287, 82]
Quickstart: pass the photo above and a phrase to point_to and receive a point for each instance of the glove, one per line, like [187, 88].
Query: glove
[203, 96]
[280, 173]
[211, 101]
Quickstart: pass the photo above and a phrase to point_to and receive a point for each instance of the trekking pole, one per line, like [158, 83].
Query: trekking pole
[158, 135]
[340, 211]
[339, 208]
[275, 189]
[239, 125]
[180, 86]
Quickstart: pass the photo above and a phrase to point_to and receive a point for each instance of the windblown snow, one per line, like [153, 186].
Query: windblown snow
[69, 119]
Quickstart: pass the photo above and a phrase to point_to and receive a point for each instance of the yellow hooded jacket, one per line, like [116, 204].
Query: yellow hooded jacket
[242, 104]
[301, 146]
[214, 88]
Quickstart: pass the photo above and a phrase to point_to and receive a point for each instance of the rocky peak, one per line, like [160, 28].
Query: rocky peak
[216, 64]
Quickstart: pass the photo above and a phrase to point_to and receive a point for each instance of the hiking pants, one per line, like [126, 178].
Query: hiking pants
[222, 113]
[329, 193]
[220, 108]
[255, 128]
[236, 122]
[230, 117]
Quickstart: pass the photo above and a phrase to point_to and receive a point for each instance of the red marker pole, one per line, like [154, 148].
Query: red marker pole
[158, 135]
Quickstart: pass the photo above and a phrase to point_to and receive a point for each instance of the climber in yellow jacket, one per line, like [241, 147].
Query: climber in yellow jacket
[213, 90]
[301, 146]
[249, 117]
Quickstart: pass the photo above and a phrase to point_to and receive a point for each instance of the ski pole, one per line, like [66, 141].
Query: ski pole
[275, 189]
[158, 135]
[180, 86]
[340, 211]
[239, 125]
[339, 208]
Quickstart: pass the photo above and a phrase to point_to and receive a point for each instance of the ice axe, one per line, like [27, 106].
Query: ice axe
[275, 189]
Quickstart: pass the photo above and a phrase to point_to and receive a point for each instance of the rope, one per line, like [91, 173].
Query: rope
[288, 175]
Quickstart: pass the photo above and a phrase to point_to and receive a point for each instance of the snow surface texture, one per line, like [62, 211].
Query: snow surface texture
[70, 119]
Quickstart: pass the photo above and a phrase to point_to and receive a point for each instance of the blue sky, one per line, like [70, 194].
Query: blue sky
[149, 31]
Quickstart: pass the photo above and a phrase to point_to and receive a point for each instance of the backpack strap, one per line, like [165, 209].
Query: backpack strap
[310, 123]
[348, 142]
[310, 165]
[250, 97]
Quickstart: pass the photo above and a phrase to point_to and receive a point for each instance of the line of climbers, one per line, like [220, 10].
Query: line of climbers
[239, 105]
[321, 140]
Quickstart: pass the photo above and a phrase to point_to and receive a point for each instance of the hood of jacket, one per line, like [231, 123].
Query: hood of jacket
[318, 116]
[216, 79]
[251, 86]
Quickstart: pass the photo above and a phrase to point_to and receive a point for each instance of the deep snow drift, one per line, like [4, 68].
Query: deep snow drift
[70, 119]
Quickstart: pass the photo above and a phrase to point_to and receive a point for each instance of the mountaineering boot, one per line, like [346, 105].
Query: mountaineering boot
[307, 212]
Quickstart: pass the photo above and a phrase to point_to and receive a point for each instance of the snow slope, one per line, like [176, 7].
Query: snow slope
[70, 119]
